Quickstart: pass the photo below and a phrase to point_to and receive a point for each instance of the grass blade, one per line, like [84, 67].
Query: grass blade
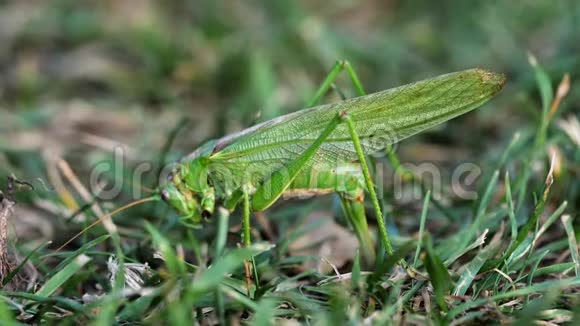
[5, 314]
[83, 249]
[481, 209]
[530, 314]
[211, 278]
[63, 275]
[16, 270]
[529, 226]
[265, 314]
[438, 274]
[422, 226]
[567, 221]
[510, 205]
[547, 95]
[174, 264]
[473, 267]
[536, 288]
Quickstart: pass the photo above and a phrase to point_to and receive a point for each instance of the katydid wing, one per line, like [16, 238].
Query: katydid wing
[394, 114]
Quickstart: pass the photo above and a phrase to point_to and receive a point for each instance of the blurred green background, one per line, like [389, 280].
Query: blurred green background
[79, 79]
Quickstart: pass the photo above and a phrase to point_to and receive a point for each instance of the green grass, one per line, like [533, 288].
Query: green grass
[164, 78]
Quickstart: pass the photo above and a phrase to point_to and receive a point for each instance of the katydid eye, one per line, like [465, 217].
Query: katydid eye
[165, 195]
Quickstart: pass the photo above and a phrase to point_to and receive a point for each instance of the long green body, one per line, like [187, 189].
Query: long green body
[250, 157]
[319, 150]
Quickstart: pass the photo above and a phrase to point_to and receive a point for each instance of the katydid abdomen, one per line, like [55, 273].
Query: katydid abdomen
[345, 178]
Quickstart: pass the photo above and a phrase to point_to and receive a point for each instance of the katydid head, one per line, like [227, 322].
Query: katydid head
[191, 204]
[183, 201]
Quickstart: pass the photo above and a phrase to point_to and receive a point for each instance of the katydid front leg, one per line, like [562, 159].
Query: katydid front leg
[246, 237]
[230, 204]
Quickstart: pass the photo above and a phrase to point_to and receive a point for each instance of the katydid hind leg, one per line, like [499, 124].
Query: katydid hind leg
[280, 180]
[339, 66]
[370, 185]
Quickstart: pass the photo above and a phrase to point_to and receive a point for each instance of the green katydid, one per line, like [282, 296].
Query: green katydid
[320, 150]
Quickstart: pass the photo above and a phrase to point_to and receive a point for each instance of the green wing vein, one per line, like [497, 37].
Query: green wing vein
[381, 119]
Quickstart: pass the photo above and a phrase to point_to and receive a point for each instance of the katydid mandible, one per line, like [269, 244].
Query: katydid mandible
[320, 150]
